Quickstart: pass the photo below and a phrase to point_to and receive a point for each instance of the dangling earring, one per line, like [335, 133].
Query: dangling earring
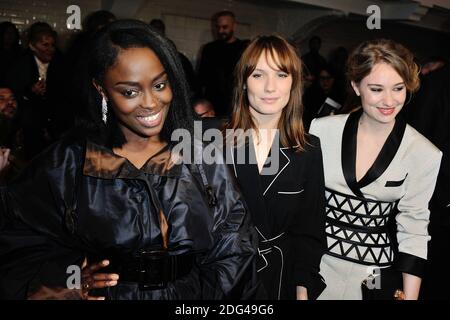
[245, 87]
[104, 110]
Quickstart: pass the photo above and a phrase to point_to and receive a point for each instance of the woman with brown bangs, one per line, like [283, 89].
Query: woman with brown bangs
[279, 169]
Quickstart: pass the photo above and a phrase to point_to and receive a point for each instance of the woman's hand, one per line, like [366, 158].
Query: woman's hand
[302, 293]
[90, 279]
[411, 286]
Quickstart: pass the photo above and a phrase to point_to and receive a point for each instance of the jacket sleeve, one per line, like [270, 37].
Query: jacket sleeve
[414, 216]
[228, 269]
[35, 248]
[308, 232]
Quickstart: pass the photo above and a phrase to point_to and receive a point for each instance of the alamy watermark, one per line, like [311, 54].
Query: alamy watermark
[233, 147]
[374, 19]
[73, 22]
[373, 281]
[74, 279]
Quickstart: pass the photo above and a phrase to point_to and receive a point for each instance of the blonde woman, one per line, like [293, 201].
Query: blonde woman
[378, 170]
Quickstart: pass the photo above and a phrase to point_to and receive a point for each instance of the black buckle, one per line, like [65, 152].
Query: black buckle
[154, 269]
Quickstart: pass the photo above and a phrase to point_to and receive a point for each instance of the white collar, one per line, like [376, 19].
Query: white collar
[42, 67]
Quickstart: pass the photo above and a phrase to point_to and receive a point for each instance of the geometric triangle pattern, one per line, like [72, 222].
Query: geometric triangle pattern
[357, 230]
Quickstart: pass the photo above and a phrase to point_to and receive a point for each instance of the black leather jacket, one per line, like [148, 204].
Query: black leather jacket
[80, 199]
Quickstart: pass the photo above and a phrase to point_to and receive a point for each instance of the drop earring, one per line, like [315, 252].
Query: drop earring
[104, 110]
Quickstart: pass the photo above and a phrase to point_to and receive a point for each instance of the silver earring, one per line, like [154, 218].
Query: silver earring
[245, 87]
[104, 110]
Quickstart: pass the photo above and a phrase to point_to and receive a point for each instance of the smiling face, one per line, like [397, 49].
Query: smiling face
[383, 93]
[137, 89]
[268, 88]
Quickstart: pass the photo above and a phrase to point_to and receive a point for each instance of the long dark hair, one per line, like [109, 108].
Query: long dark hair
[103, 51]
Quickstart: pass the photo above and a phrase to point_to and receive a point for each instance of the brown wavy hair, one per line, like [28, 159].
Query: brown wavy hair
[366, 55]
[290, 125]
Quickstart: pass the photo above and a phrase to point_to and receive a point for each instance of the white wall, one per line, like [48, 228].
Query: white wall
[188, 22]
